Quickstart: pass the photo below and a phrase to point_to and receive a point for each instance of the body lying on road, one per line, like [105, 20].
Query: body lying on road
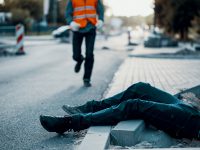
[139, 101]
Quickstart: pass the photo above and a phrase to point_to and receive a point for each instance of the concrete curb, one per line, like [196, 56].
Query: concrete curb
[159, 56]
[127, 133]
[97, 138]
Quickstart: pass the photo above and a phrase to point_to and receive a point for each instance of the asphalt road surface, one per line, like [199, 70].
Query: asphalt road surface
[40, 82]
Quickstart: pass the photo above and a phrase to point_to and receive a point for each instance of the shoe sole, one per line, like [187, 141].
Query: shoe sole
[67, 111]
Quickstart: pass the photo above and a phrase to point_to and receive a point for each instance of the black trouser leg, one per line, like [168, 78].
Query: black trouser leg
[89, 59]
[170, 118]
[77, 43]
[139, 90]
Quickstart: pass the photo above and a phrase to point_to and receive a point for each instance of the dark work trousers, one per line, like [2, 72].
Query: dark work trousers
[142, 101]
[89, 56]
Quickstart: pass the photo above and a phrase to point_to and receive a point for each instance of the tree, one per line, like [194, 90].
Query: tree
[34, 7]
[175, 16]
[61, 12]
[149, 20]
[30, 8]
[163, 14]
[20, 16]
[186, 10]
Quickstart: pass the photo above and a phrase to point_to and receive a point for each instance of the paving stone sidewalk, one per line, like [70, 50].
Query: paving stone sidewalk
[171, 75]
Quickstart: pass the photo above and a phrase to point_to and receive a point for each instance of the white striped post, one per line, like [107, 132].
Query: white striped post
[20, 39]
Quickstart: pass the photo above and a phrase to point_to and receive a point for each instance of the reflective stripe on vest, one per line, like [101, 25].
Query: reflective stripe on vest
[85, 16]
[79, 9]
[91, 15]
[89, 8]
[84, 8]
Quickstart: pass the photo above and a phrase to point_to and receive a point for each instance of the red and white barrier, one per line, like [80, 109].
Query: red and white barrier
[20, 39]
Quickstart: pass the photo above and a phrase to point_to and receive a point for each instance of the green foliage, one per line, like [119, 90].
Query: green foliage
[19, 16]
[62, 9]
[186, 10]
[164, 14]
[176, 15]
[32, 7]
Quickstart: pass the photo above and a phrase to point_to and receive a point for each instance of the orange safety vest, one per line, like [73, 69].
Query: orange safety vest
[84, 11]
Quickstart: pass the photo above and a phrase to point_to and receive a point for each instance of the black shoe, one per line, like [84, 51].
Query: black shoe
[56, 124]
[87, 83]
[78, 66]
[71, 110]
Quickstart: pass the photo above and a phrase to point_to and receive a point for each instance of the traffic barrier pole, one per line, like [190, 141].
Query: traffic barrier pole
[20, 39]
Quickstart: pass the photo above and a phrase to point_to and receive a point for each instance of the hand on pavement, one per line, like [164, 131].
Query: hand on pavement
[74, 26]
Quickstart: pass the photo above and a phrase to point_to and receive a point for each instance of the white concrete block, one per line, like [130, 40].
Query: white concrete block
[127, 133]
[97, 138]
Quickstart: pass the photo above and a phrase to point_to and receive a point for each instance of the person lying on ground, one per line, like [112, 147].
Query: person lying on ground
[139, 101]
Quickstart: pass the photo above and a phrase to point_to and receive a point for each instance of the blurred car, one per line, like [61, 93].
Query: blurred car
[159, 40]
[152, 40]
[62, 33]
[168, 42]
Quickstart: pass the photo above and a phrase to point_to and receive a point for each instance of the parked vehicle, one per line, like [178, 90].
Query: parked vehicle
[168, 42]
[159, 40]
[152, 40]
